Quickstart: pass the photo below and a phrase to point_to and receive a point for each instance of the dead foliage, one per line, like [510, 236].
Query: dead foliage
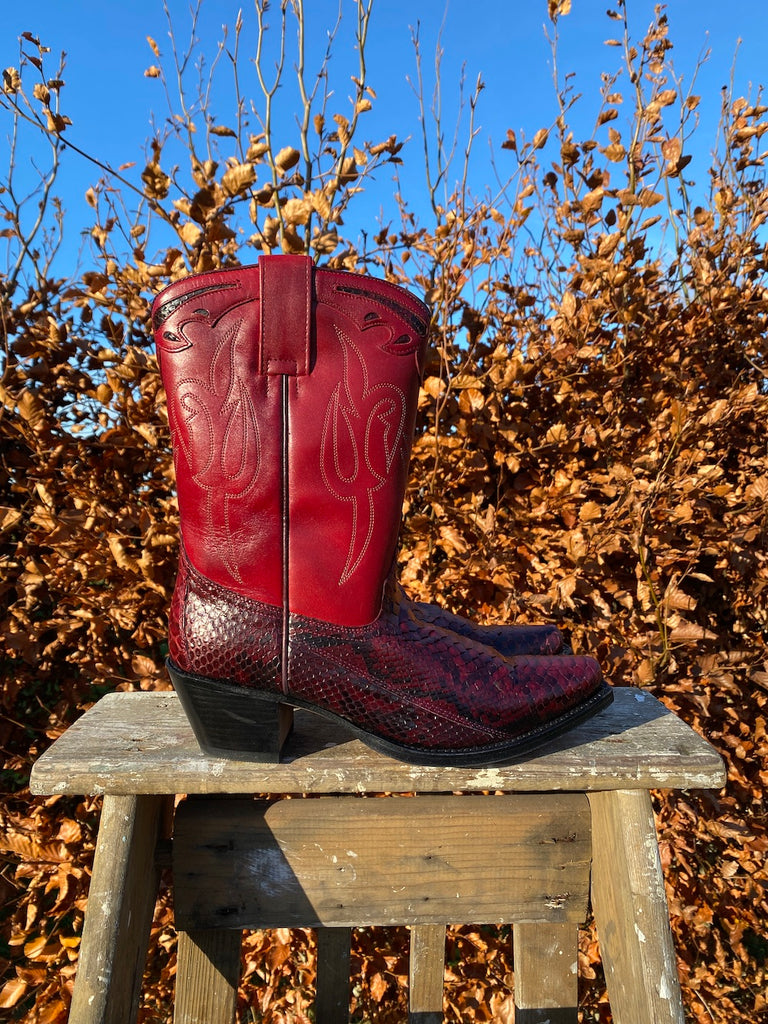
[591, 449]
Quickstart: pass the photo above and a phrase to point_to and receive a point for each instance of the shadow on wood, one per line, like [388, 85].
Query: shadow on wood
[347, 861]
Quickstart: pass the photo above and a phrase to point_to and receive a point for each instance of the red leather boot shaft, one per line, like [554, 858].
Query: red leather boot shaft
[225, 421]
[292, 396]
[350, 429]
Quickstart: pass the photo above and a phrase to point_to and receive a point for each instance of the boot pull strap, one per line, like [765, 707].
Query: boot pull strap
[285, 301]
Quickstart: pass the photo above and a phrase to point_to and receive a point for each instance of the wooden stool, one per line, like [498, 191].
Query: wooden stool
[527, 844]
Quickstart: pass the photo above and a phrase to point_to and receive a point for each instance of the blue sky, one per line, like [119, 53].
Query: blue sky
[111, 102]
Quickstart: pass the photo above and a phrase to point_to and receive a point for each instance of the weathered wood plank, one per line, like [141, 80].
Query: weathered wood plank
[345, 862]
[546, 973]
[142, 743]
[427, 974]
[121, 900]
[631, 911]
[333, 983]
[207, 977]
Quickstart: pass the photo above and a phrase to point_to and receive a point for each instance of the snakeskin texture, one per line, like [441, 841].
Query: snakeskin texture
[508, 641]
[217, 633]
[417, 686]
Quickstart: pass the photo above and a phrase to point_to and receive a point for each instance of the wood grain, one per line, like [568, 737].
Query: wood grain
[631, 912]
[207, 976]
[546, 973]
[426, 973]
[121, 900]
[142, 743]
[344, 862]
[333, 982]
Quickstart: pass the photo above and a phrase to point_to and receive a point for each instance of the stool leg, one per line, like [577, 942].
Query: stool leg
[546, 973]
[121, 901]
[333, 965]
[631, 913]
[207, 975]
[427, 973]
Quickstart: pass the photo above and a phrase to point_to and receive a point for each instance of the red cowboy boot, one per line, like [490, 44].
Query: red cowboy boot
[292, 398]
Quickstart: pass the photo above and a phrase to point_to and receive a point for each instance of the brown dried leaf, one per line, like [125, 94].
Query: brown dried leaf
[11, 80]
[609, 114]
[33, 851]
[12, 992]
[690, 632]
[452, 541]
[590, 511]
[9, 518]
[238, 179]
[378, 987]
[287, 158]
[32, 410]
[671, 150]
[555, 8]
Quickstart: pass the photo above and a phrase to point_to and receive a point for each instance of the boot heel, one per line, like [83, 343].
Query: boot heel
[233, 721]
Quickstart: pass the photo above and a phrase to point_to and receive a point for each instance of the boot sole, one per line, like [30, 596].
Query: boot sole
[242, 724]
